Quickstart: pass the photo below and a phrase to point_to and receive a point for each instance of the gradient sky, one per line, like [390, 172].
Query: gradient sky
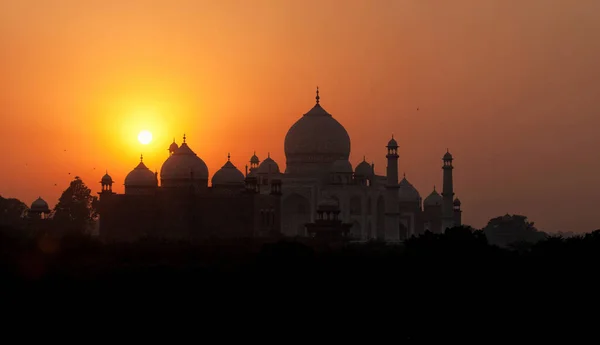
[509, 86]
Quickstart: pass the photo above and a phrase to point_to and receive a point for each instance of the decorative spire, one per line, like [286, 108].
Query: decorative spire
[255, 152]
[434, 188]
[106, 171]
[268, 154]
[364, 158]
[317, 98]
[228, 156]
[141, 158]
[173, 139]
[392, 135]
[184, 138]
[404, 174]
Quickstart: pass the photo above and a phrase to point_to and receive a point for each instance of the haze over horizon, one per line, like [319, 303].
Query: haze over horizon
[511, 88]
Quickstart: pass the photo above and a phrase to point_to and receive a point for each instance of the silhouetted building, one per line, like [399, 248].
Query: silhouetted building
[328, 226]
[266, 200]
[184, 206]
[39, 209]
[317, 148]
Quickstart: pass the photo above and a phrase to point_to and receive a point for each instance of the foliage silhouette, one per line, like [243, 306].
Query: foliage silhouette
[76, 209]
[12, 212]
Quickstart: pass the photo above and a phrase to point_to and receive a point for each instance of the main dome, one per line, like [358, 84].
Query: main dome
[228, 175]
[315, 141]
[183, 165]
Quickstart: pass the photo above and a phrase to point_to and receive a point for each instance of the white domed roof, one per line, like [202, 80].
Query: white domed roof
[184, 164]
[434, 199]
[268, 166]
[315, 138]
[341, 166]
[407, 192]
[140, 176]
[228, 175]
[363, 169]
[39, 205]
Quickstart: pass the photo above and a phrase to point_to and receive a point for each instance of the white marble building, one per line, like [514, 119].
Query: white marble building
[317, 148]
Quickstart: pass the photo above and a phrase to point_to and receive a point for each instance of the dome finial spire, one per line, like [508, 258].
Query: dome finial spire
[228, 156]
[364, 158]
[317, 98]
[141, 158]
[184, 138]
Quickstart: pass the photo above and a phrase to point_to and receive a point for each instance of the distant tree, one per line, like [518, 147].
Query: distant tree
[509, 229]
[12, 212]
[76, 209]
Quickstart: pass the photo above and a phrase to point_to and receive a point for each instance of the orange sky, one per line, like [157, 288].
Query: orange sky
[511, 87]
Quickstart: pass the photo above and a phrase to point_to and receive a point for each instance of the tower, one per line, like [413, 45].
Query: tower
[173, 147]
[106, 183]
[254, 162]
[392, 203]
[447, 193]
[457, 213]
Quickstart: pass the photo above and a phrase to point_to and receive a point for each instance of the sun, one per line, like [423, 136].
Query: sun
[145, 137]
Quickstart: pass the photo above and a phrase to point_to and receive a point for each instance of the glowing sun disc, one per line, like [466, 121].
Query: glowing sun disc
[145, 137]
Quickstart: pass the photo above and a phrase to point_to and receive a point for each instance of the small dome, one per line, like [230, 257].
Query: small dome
[392, 142]
[228, 175]
[407, 192]
[456, 202]
[173, 147]
[363, 169]
[183, 164]
[39, 205]
[447, 156]
[254, 159]
[434, 199]
[106, 179]
[328, 204]
[342, 166]
[268, 166]
[141, 176]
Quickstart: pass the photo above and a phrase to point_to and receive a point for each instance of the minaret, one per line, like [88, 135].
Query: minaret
[447, 193]
[392, 202]
[173, 147]
[254, 162]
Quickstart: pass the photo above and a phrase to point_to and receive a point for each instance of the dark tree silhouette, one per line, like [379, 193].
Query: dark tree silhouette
[507, 230]
[76, 209]
[12, 212]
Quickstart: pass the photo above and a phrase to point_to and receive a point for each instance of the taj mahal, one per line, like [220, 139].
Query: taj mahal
[319, 184]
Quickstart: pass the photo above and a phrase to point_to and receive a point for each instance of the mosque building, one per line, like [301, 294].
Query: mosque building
[318, 182]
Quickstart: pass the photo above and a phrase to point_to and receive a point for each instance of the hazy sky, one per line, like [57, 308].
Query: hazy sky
[511, 87]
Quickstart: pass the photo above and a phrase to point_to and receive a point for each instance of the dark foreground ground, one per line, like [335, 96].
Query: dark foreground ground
[455, 277]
